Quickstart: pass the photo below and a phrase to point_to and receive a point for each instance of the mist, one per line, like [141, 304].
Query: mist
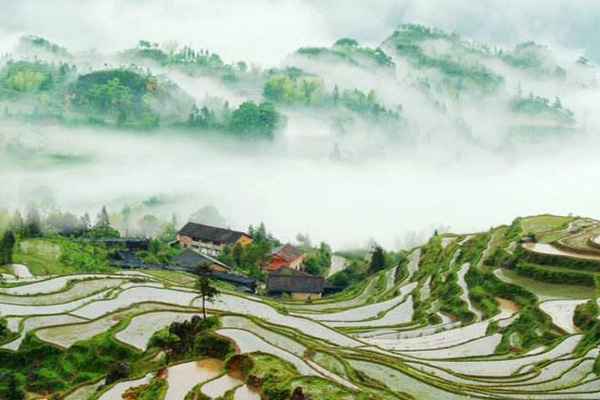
[451, 164]
[344, 204]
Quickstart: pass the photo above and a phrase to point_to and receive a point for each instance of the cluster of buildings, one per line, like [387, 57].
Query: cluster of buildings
[202, 244]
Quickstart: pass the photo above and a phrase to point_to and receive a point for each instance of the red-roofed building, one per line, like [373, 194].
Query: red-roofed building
[286, 255]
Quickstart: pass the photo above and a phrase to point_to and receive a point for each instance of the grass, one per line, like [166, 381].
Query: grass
[549, 290]
[155, 390]
[545, 222]
[60, 256]
[180, 278]
[320, 388]
[580, 240]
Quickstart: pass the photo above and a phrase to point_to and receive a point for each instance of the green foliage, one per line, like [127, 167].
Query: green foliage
[196, 393]
[350, 52]
[449, 294]
[472, 251]
[377, 260]
[190, 60]
[293, 87]
[240, 365]
[38, 42]
[14, 390]
[352, 275]
[193, 338]
[23, 77]
[4, 332]
[459, 73]
[119, 96]
[204, 284]
[316, 262]
[155, 390]
[515, 230]
[309, 90]
[532, 57]
[586, 315]
[256, 121]
[554, 275]
[49, 369]
[579, 265]
[251, 257]
[274, 375]
[596, 367]
[7, 245]
[541, 106]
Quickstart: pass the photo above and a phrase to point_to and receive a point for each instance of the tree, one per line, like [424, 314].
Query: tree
[250, 120]
[166, 341]
[208, 215]
[204, 285]
[335, 97]
[85, 223]
[126, 217]
[7, 245]
[102, 220]
[377, 259]
[4, 331]
[16, 222]
[33, 223]
[149, 225]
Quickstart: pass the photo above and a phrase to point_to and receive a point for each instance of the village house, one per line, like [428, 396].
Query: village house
[192, 260]
[298, 285]
[286, 255]
[210, 240]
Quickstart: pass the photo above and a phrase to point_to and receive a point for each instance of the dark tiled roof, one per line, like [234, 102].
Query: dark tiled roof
[287, 252]
[289, 280]
[285, 270]
[234, 278]
[210, 233]
[127, 256]
[129, 242]
[193, 259]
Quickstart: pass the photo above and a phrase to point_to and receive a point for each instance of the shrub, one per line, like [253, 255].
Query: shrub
[240, 365]
[586, 315]
[211, 345]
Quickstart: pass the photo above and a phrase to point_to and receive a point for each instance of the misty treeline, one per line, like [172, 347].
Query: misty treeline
[35, 223]
[66, 228]
[346, 85]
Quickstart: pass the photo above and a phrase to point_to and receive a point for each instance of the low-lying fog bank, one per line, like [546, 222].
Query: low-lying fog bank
[394, 197]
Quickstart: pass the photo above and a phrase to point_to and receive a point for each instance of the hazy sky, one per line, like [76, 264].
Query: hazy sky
[267, 30]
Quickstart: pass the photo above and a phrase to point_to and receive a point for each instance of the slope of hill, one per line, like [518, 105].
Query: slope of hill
[420, 85]
[464, 316]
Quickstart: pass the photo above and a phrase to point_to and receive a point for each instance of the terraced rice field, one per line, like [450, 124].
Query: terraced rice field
[357, 344]
[550, 250]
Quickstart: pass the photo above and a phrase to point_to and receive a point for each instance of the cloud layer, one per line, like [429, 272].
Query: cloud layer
[267, 30]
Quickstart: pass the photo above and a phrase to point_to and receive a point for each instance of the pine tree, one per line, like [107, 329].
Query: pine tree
[7, 244]
[85, 223]
[102, 220]
[336, 95]
[377, 259]
[33, 223]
